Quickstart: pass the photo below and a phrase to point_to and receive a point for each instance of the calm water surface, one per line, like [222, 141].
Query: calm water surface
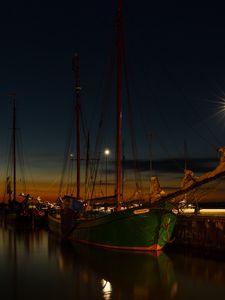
[35, 265]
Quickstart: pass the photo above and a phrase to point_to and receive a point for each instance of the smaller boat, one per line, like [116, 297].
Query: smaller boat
[19, 208]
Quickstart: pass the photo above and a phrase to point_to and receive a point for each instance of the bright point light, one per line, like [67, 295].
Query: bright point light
[220, 108]
[107, 152]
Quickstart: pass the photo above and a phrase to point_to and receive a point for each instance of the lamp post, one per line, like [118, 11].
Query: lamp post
[106, 152]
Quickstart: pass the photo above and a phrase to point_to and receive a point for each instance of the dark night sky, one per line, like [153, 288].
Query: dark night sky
[176, 67]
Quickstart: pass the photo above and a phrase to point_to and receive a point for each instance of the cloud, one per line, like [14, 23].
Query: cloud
[171, 165]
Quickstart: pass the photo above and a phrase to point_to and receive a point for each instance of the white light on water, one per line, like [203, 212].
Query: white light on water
[106, 289]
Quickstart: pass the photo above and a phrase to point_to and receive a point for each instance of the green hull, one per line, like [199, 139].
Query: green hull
[132, 229]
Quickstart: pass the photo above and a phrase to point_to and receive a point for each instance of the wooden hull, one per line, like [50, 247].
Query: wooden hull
[135, 229]
[54, 224]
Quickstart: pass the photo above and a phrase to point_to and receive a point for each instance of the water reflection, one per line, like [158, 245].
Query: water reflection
[199, 273]
[20, 261]
[106, 289]
[34, 264]
[119, 275]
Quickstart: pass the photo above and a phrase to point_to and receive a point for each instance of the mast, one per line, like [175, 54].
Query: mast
[14, 149]
[87, 164]
[13, 95]
[119, 48]
[77, 89]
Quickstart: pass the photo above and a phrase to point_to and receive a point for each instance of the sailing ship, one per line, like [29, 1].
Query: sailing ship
[134, 228]
[147, 227]
[18, 207]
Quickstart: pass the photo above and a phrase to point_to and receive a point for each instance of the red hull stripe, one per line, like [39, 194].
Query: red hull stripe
[154, 247]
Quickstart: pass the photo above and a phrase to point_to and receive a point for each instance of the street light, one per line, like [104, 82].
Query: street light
[107, 153]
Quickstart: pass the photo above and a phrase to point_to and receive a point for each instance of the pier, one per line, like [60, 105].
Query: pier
[204, 231]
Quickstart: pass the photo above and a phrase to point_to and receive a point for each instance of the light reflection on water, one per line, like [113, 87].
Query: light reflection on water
[34, 264]
[106, 289]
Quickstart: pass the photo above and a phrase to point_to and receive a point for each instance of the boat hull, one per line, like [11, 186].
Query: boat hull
[131, 229]
[54, 224]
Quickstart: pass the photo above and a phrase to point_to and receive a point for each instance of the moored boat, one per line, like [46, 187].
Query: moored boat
[148, 226]
[19, 207]
[145, 227]
[54, 220]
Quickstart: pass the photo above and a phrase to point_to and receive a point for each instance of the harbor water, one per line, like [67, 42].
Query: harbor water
[36, 265]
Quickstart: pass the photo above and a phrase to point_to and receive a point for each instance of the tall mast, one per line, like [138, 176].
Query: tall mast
[14, 149]
[87, 164]
[13, 95]
[119, 47]
[77, 89]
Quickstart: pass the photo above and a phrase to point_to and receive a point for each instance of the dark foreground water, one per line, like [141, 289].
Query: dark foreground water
[34, 265]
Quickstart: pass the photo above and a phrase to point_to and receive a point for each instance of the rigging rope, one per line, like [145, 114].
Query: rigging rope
[131, 126]
[103, 116]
